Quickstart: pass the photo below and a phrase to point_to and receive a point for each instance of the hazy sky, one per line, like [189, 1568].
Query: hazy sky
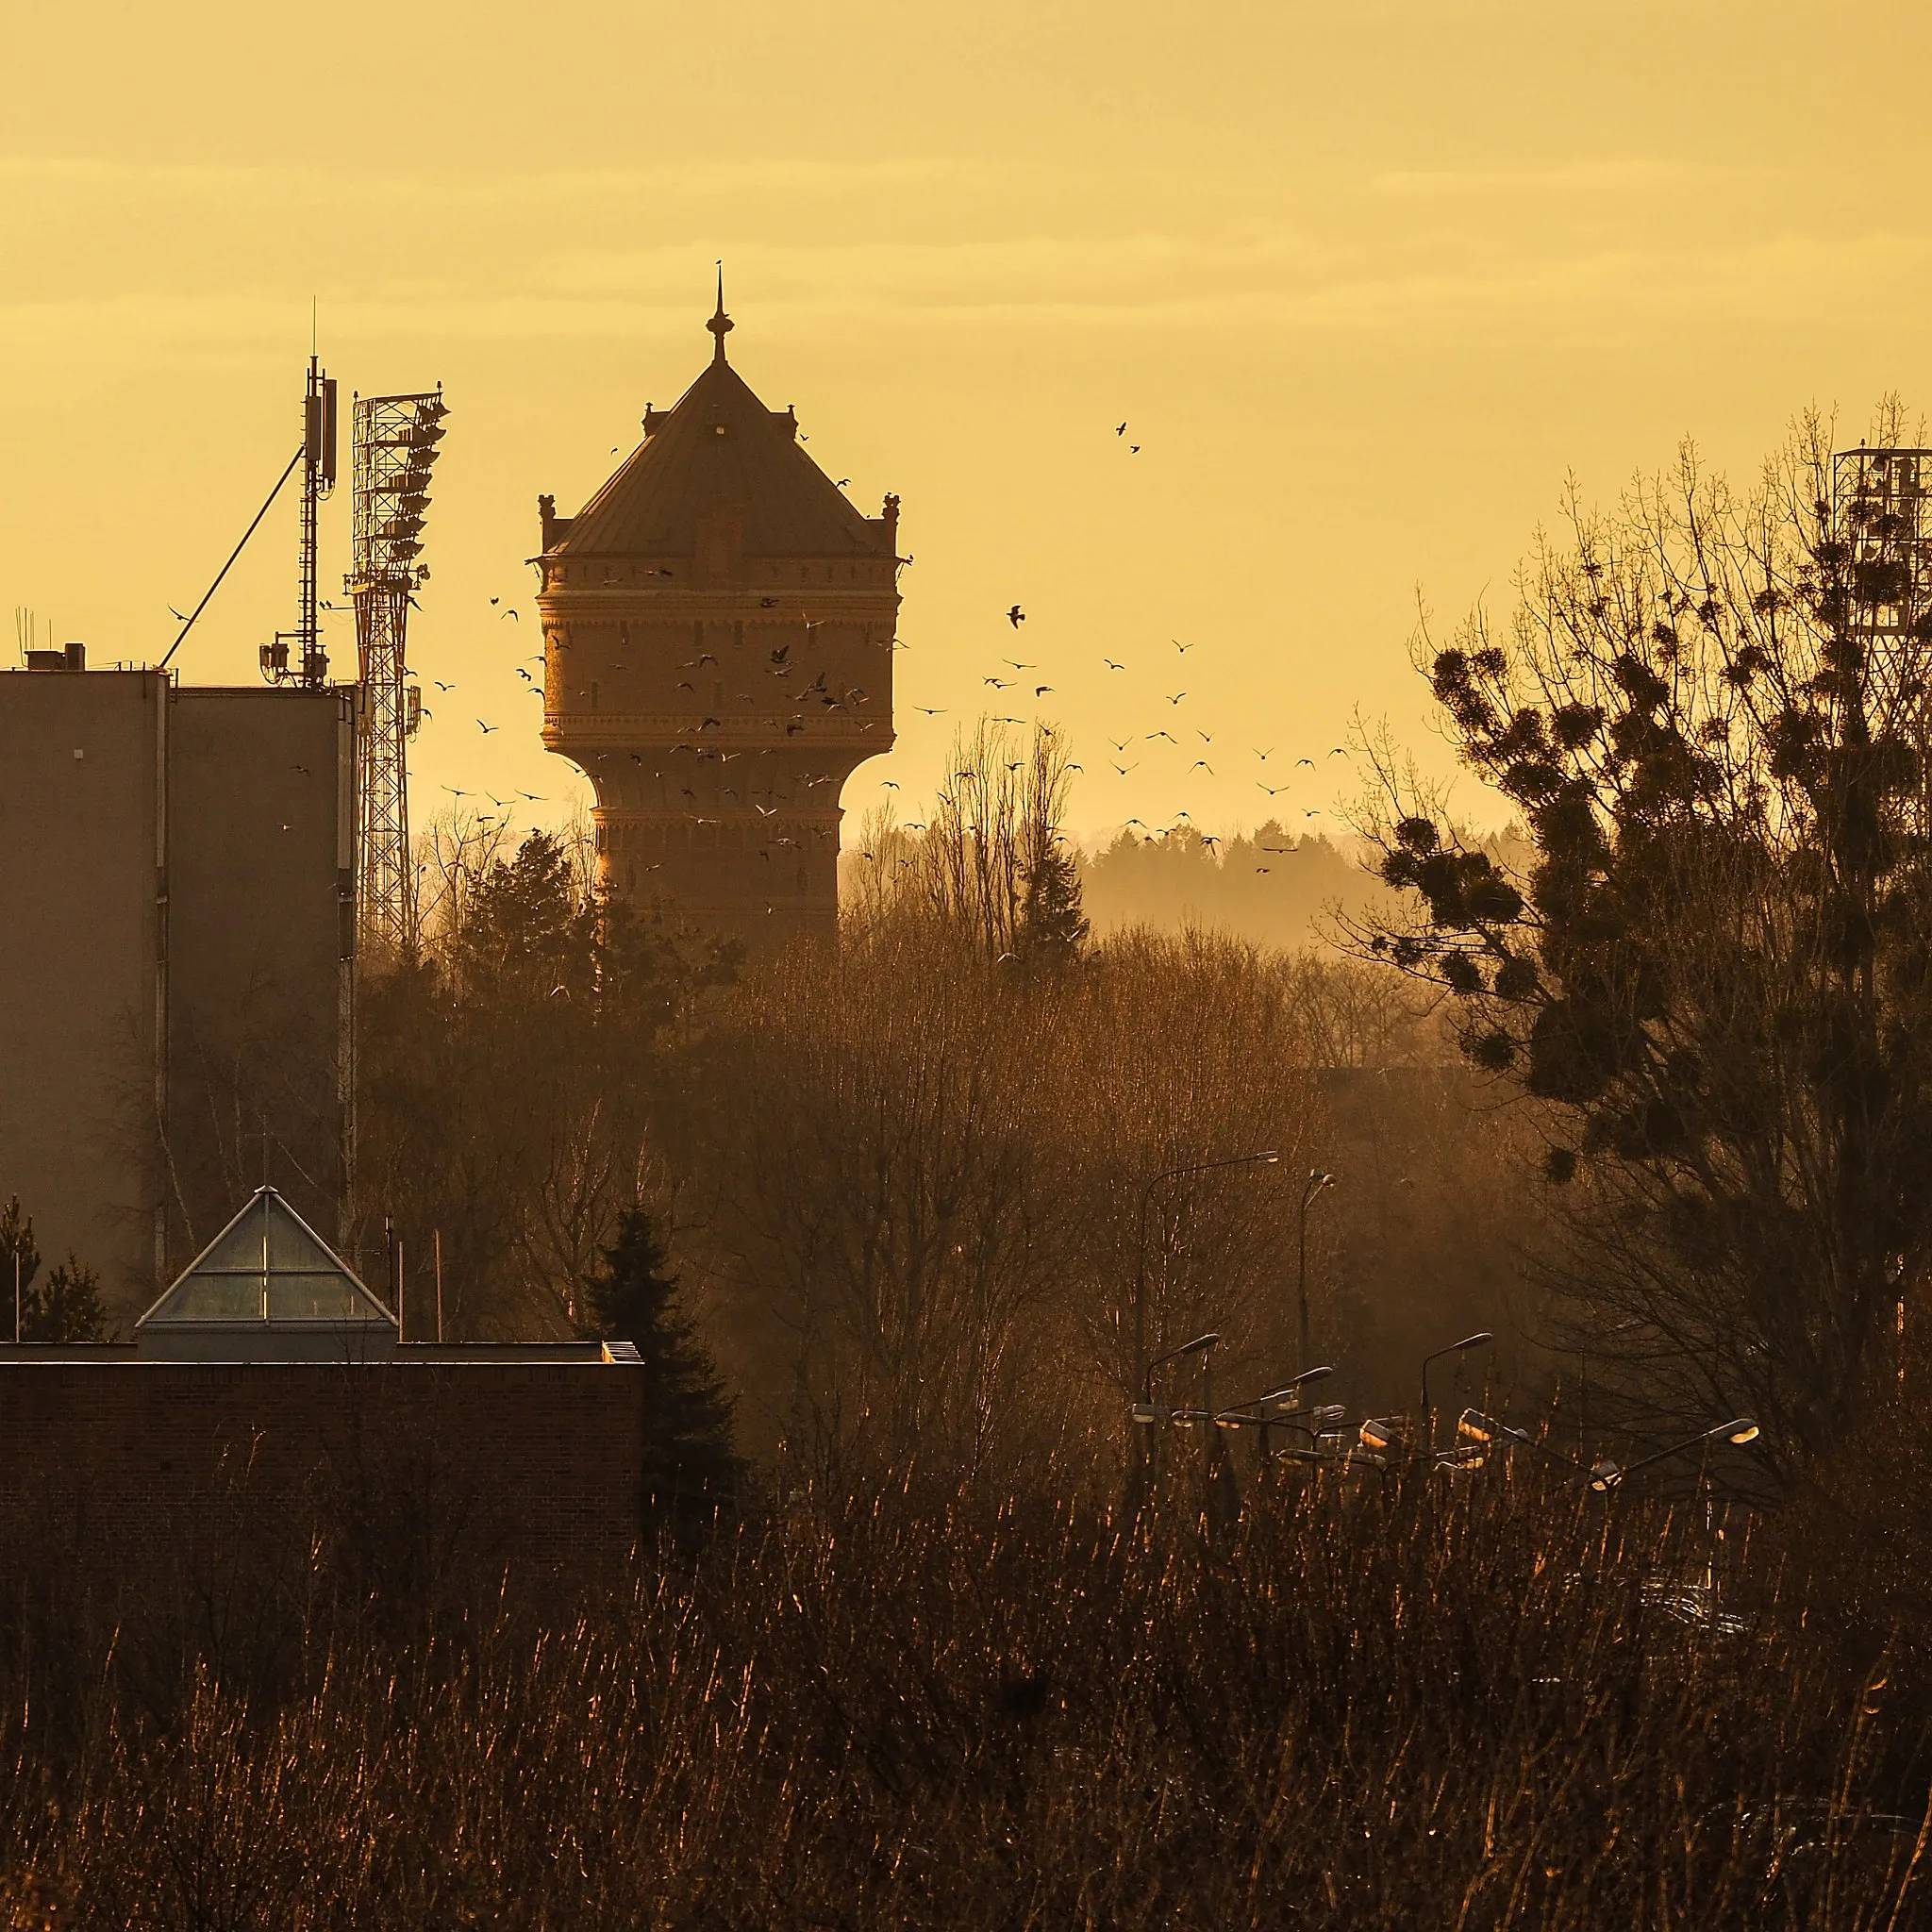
[1365, 280]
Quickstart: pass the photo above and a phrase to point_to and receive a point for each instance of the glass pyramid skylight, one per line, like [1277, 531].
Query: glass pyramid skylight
[268, 1265]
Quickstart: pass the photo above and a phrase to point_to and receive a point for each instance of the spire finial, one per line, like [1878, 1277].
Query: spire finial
[720, 324]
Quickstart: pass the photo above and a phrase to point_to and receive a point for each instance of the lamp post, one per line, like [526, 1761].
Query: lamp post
[1481, 1431]
[1318, 1179]
[1200, 1345]
[1147, 1419]
[1607, 1475]
[1264, 1156]
[1265, 1410]
[1481, 1339]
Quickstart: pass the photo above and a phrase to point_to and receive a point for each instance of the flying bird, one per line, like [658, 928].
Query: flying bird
[1111, 665]
[998, 683]
[1153, 734]
[1040, 691]
[1182, 648]
[1272, 790]
[1122, 431]
[487, 729]
[1309, 762]
[1016, 617]
[511, 613]
[1174, 697]
[931, 710]
[441, 686]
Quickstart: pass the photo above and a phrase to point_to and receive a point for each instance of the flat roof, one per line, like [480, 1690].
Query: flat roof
[533, 1354]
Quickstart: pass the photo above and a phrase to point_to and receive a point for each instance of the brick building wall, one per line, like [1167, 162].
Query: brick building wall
[397, 1477]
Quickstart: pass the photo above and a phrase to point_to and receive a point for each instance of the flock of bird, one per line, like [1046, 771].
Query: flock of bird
[1022, 680]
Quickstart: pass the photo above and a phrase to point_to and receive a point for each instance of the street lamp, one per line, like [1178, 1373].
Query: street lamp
[1266, 1410]
[1481, 1339]
[1143, 1367]
[1200, 1344]
[1607, 1475]
[1481, 1430]
[1318, 1179]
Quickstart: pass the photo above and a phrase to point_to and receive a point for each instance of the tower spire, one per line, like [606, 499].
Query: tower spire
[720, 324]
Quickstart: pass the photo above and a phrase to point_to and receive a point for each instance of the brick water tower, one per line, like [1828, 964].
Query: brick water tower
[717, 627]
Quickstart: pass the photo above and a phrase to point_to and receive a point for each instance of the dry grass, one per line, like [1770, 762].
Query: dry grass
[1408, 1707]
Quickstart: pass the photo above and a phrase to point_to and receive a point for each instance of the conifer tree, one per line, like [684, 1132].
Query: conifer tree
[1053, 923]
[20, 1261]
[690, 1470]
[65, 1308]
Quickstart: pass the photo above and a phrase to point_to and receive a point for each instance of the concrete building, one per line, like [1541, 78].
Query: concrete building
[717, 627]
[175, 979]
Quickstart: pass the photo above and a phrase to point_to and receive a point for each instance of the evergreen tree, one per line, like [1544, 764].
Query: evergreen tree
[18, 1251]
[1053, 923]
[66, 1307]
[690, 1470]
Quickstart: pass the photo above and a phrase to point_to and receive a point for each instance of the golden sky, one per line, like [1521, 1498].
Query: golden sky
[1364, 280]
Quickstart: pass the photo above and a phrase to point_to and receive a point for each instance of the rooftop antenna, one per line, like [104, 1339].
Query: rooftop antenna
[317, 456]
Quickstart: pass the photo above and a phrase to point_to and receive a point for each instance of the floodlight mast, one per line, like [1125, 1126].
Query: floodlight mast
[394, 451]
[1880, 572]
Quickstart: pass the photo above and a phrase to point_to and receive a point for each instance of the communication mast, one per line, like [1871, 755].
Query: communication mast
[318, 478]
[394, 450]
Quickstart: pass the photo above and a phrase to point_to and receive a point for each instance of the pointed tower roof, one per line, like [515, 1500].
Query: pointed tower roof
[267, 1270]
[720, 450]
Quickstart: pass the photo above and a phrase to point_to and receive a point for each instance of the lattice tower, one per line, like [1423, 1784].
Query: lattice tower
[1882, 524]
[394, 450]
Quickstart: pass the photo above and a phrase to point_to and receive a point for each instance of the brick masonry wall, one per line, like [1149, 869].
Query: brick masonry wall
[393, 1476]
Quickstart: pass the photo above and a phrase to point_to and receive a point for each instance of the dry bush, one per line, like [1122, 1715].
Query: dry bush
[1370, 1707]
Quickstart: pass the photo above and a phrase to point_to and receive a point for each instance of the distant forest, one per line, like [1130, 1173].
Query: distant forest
[1271, 887]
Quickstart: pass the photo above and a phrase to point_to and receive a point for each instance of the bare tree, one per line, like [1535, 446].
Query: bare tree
[1709, 708]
